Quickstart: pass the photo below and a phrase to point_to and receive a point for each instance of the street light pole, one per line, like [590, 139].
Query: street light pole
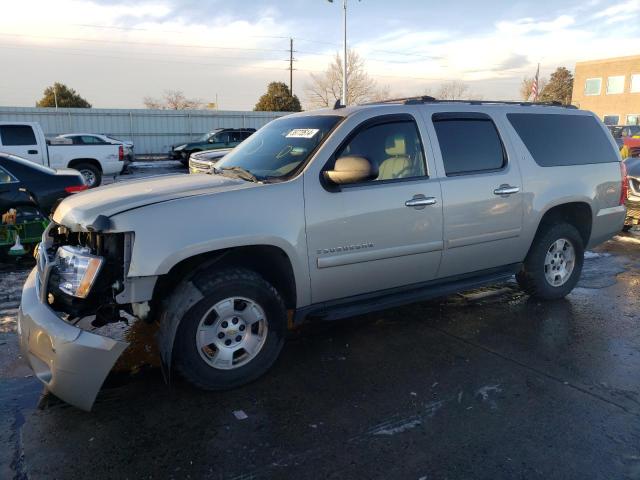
[344, 58]
[344, 55]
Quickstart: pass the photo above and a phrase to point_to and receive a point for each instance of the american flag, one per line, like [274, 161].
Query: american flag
[534, 86]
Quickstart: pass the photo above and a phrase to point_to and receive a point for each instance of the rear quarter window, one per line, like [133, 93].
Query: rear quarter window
[556, 140]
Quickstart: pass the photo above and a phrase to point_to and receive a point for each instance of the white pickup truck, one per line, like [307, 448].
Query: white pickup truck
[27, 140]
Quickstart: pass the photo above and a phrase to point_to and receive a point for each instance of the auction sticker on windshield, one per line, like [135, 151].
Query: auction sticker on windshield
[302, 133]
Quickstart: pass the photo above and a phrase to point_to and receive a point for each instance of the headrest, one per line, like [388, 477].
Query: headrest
[395, 146]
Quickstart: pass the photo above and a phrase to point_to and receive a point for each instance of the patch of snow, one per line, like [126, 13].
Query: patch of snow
[620, 238]
[395, 428]
[589, 255]
[485, 392]
[240, 415]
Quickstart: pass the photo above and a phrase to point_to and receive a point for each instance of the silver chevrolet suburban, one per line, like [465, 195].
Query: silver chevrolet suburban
[319, 215]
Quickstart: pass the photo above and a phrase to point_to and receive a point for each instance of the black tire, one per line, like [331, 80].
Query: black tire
[627, 228]
[531, 277]
[217, 286]
[91, 174]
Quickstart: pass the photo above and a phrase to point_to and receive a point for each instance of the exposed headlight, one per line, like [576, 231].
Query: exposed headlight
[180, 147]
[77, 269]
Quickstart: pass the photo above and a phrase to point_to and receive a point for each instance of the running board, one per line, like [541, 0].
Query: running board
[382, 300]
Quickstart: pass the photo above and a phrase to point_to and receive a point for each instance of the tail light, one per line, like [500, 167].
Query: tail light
[75, 188]
[624, 188]
[120, 153]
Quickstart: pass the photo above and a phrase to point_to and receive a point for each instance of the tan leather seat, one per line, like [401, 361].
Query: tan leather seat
[398, 165]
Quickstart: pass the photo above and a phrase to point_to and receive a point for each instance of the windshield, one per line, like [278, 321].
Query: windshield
[280, 147]
[206, 136]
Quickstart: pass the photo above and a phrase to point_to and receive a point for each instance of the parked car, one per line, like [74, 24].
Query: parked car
[100, 139]
[622, 132]
[27, 140]
[324, 215]
[217, 139]
[203, 162]
[24, 183]
[633, 198]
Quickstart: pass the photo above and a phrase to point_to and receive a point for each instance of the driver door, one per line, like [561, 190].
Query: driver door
[378, 234]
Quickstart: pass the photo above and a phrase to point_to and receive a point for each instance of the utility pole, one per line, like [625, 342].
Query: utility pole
[291, 66]
[55, 96]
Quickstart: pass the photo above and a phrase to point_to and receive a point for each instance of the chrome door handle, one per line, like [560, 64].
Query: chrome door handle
[420, 201]
[506, 190]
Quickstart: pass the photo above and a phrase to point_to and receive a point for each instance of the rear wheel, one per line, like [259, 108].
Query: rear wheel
[92, 174]
[234, 334]
[554, 263]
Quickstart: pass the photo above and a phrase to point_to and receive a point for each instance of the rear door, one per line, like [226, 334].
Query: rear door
[481, 190]
[21, 140]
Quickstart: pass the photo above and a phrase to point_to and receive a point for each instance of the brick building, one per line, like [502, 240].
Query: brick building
[610, 88]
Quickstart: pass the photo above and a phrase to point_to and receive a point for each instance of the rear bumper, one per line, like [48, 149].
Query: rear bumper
[608, 222]
[71, 362]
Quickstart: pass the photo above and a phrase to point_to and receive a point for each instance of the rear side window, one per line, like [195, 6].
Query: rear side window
[17, 135]
[555, 140]
[469, 143]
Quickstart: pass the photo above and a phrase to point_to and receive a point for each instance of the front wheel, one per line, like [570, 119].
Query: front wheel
[233, 334]
[554, 263]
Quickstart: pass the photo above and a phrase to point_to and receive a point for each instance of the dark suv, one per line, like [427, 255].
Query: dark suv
[214, 140]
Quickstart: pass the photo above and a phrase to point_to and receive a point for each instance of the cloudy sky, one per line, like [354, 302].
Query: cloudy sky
[115, 52]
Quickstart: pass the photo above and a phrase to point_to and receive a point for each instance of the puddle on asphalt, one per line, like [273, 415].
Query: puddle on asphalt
[601, 271]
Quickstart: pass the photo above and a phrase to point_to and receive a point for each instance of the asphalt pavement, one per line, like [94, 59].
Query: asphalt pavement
[489, 384]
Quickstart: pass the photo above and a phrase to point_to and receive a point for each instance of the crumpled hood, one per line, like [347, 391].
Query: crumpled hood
[79, 210]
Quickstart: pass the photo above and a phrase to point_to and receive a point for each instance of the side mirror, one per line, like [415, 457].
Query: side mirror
[351, 169]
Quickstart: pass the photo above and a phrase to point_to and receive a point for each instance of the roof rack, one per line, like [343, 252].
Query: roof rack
[427, 99]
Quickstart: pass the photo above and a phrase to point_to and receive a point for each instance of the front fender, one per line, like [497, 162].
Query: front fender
[170, 232]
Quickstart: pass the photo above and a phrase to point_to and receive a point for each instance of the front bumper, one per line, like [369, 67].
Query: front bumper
[71, 362]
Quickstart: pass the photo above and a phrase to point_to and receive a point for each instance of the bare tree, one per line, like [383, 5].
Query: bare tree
[326, 88]
[527, 86]
[455, 90]
[172, 100]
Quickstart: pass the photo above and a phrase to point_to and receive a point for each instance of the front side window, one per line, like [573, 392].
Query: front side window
[220, 138]
[469, 144]
[593, 86]
[280, 147]
[615, 85]
[394, 147]
[611, 119]
[17, 135]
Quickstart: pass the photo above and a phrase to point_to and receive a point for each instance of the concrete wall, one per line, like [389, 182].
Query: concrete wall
[152, 131]
[621, 104]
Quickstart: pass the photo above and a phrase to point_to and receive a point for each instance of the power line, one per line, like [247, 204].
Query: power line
[154, 44]
[115, 27]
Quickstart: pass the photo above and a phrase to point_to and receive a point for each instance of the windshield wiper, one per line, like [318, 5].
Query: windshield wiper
[238, 172]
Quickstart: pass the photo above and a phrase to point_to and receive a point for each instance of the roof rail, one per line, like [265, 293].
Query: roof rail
[427, 99]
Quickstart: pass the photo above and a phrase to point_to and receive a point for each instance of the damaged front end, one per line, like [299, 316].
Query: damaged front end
[75, 311]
